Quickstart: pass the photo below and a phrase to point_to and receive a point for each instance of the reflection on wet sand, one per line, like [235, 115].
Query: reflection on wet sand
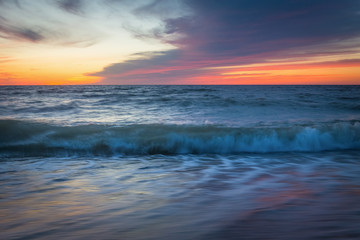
[278, 196]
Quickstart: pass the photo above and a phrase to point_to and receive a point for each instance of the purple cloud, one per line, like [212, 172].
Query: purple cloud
[235, 32]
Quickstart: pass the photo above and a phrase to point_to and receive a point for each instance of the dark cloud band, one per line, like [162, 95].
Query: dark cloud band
[245, 31]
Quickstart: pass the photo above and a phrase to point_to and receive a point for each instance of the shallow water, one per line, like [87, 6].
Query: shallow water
[257, 196]
[180, 162]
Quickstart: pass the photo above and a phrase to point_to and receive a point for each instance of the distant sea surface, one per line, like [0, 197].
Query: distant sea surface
[180, 162]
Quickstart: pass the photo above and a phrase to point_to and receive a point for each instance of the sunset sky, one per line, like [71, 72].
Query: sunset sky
[179, 42]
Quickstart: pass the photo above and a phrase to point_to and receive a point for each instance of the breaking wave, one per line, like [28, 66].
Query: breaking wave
[23, 138]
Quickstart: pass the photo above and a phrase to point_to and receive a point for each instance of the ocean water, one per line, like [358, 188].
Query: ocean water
[180, 162]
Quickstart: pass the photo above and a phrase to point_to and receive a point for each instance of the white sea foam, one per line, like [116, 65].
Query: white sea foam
[29, 138]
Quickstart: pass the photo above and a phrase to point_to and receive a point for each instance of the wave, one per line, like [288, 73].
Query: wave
[23, 138]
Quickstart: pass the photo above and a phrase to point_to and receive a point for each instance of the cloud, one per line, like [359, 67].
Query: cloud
[148, 19]
[245, 27]
[39, 21]
[234, 32]
[72, 6]
[5, 59]
[142, 65]
[22, 34]
[143, 60]
[61, 22]
[30, 34]
[166, 67]
[202, 34]
[55, 22]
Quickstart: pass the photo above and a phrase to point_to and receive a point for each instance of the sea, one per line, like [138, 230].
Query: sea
[180, 162]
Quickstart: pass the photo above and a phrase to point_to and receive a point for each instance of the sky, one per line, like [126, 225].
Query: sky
[179, 42]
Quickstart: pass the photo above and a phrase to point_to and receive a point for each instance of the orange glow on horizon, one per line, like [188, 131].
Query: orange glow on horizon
[23, 76]
[281, 73]
[61, 71]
